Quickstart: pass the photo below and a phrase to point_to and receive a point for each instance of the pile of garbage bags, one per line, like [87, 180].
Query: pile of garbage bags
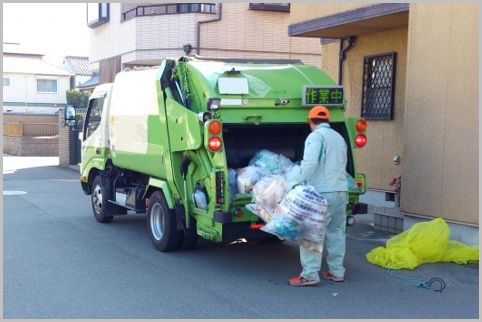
[291, 211]
[264, 163]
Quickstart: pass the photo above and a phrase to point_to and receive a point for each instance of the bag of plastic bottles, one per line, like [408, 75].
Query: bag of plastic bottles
[300, 218]
[248, 176]
[292, 176]
[266, 214]
[269, 191]
[273, 162]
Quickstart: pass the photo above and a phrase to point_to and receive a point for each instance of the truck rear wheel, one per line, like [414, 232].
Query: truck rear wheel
[161, 224]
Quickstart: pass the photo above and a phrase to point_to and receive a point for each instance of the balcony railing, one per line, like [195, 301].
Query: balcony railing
[168, 9]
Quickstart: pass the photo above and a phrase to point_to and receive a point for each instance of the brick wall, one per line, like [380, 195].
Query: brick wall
[30, 146]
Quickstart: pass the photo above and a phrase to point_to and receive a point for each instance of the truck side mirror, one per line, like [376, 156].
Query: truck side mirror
[69, 115]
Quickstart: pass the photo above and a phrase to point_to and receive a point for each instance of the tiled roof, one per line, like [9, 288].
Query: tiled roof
[77, 65]
[28, 65]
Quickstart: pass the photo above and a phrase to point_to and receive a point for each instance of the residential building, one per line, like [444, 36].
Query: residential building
[79, 67]
[412, 70]
[126, 35]
[30, 84]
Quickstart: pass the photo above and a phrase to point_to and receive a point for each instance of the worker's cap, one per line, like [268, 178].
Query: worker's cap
[319, 112]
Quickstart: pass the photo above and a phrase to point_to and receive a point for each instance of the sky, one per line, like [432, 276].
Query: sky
[54, 29]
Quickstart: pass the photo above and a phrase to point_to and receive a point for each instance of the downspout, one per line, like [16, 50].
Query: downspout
[341, 57]
[198, 29]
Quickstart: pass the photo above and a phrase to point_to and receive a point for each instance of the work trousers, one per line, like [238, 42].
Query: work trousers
[335, 235]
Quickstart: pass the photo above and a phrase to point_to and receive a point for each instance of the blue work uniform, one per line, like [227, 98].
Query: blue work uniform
[324, 167]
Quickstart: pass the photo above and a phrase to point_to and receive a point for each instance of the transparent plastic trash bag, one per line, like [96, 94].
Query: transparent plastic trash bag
[248, 176]
[269, 191]
[300, 218]
[275, 163]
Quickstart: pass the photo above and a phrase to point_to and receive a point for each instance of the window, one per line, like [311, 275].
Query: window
[277, 7]
[6, 81]
[46, 84]
[378, 86]
[129, 12]
[97, 14]
[94, 116]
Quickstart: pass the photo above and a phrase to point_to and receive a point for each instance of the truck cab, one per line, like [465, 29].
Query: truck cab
[156, 138]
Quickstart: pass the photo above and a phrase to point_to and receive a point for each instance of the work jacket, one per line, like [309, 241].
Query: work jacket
[324, 160]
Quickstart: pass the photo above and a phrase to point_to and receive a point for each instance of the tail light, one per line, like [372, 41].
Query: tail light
[361, 125]
[256, 226]
[238, 213]
[215, 143]
[215, 127]
[360, 140]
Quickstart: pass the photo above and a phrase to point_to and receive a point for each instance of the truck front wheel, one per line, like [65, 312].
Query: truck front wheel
[161, 224]
[100, 206]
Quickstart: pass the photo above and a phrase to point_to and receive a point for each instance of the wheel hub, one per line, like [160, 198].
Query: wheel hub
[157, 221]
[97, 199]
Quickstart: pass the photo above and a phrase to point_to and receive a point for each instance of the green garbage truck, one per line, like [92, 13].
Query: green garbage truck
[162, 141]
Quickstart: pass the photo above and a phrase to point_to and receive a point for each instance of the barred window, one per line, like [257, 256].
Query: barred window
[378, 86]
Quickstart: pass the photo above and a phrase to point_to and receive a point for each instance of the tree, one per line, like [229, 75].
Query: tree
[77, 99]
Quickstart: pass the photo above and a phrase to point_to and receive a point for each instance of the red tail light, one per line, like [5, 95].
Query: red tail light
[215, 143]
[360, 140]
[238, 213]
[361, 125]
[256, 226]
[215, 127]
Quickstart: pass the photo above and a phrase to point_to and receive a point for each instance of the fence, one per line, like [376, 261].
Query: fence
[30, 129]
[30, 137]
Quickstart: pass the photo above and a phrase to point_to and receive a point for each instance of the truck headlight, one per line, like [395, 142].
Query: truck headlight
[213, 104]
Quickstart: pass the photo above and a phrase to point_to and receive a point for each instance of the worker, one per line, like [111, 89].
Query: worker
[324, 167]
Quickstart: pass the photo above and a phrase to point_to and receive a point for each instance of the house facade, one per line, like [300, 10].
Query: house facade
[31, 85]
[411, 69]
[126, 35]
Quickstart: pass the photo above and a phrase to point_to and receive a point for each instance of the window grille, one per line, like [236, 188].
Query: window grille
[378, 86]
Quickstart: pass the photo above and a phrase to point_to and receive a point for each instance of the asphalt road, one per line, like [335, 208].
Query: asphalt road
[60, 263]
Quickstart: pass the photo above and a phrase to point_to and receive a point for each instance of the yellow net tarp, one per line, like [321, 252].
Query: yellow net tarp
[425, 242]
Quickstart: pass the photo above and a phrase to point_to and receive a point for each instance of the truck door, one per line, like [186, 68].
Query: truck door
[93, 147]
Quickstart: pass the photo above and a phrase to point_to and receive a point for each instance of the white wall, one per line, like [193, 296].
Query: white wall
[113, 37]
[23, 87]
